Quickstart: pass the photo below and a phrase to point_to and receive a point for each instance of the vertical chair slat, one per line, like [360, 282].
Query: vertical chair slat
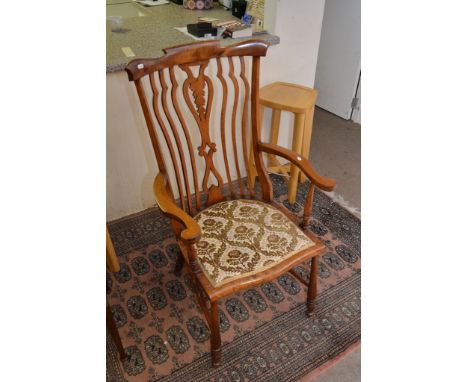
[233, 122]
[209, 84]
[175, 85]
[180, 149]
[150, 125]
[244, 119]
[223, 123]
[167, 138]
[267, 188]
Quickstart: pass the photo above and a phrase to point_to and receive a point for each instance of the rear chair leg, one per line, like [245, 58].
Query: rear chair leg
[114, 332]
[215, 336]
[312, 290]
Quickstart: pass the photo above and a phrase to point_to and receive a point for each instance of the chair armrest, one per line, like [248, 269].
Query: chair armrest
[165, 201]
[326, 184]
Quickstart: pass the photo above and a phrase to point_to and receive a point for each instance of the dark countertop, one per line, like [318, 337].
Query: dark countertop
[148, 35]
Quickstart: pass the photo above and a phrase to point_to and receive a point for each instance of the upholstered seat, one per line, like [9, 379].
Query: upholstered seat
[244, 237]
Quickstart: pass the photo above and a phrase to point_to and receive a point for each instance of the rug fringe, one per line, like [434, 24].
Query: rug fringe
[330, 363]
[343, 203]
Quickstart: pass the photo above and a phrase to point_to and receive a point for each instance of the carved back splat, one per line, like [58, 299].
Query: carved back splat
[182, 108]
[202, 117]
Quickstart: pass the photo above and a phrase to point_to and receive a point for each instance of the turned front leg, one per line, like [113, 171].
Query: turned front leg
[312, 290]
[215, 335]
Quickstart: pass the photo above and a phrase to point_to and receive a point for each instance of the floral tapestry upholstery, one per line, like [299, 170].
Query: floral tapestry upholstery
[244, 237]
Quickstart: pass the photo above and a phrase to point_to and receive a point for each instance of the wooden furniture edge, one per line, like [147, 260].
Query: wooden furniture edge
[183, 54]
[326, 184]
[294, 85]
[191, 232]
[217, 293]
[111, 257]
[292, 109]
[186, 229]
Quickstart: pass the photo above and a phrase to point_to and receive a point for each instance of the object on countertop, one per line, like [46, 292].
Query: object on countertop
[180, 2]
[247, 19]
[207, 19]
[115, 23]
[238, 31]
[128, 51]
[198, 4]
[152, 3]
[226, 3]
[185, 32]
[256, 9]
[238, 8]
[235, 29]
[202, 29]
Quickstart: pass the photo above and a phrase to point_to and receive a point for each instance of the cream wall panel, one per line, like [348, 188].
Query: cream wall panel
[130, 161]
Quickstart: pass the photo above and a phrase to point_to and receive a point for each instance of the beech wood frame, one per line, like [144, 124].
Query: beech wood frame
[186, 229]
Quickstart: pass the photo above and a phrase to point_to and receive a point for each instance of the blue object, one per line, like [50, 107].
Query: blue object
[247, 19]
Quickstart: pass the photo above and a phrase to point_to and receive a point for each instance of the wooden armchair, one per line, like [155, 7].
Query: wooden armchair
[229, 240]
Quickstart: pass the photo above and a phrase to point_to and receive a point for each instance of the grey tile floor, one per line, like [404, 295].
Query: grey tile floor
[346, 370]
[336, 152]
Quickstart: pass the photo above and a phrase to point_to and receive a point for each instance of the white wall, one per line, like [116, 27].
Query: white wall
[130, 161]
[299, 25]
[131, 166]
[339, 58]
[356, 115]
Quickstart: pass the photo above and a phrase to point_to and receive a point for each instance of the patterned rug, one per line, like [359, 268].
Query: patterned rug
[265, 332]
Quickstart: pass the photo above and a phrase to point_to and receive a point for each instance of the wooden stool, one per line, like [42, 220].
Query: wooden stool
[296, 99]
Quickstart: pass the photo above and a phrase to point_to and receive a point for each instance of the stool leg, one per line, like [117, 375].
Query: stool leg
[275, 123]
[309, 120]
[296, 147]
[251, 171]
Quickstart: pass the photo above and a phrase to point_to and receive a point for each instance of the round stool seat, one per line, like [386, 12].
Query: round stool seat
[289, 97]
